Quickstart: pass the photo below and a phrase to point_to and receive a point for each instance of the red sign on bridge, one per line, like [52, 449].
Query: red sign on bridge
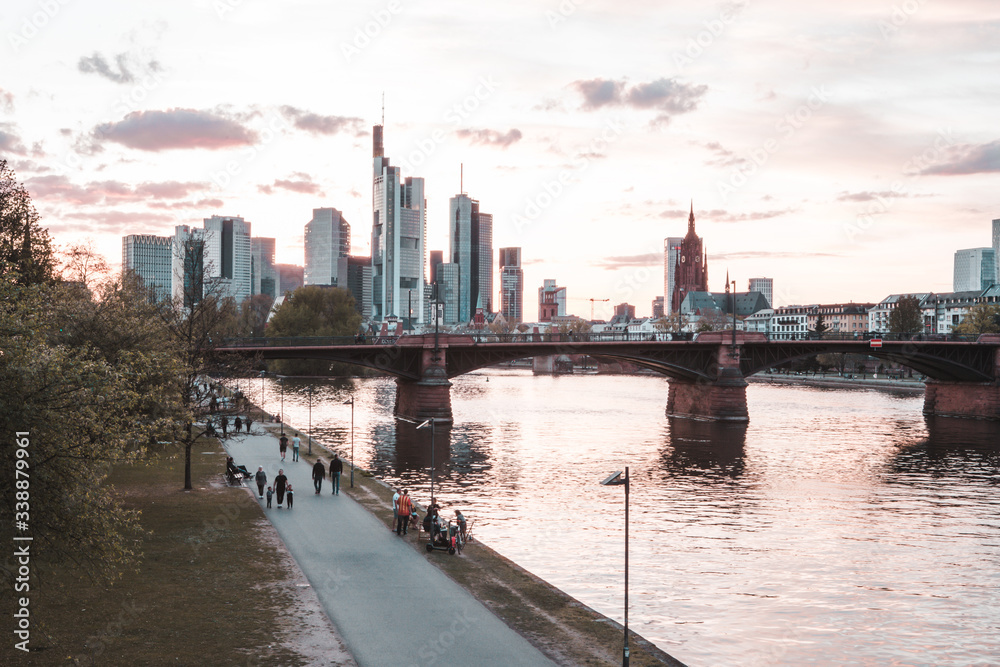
[876, 342]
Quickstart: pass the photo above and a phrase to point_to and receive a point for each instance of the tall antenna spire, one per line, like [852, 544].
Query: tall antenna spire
[461, 178]
[383, 108]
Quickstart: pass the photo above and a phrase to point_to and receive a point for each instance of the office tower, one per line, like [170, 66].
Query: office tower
[625, 310]
[671, 251]
[448, 282]
[471, 248]
[150, 258]
[511, 285]
[263, 272]
[551, 300]
[657, 307]
[765, 286]
[437, 257]
[327, 238]
[227, 256]
[691, 272]
[996, 250]
[398, 231]
[355, 275]
[975, 269]
[290, 277]
[187, 266]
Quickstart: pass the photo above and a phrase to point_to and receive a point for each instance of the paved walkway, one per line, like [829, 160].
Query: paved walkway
[391, 606]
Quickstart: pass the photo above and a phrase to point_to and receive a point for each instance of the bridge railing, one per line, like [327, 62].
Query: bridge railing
[871, 335]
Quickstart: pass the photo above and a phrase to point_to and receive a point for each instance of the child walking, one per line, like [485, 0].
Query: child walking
[269, 494]
[289, 495]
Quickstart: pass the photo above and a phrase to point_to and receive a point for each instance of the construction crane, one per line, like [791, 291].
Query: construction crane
[592, 306]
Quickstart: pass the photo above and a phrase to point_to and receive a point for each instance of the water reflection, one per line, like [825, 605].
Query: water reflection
[704, 449]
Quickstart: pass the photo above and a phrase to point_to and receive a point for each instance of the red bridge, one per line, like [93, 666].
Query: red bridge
[707, 375]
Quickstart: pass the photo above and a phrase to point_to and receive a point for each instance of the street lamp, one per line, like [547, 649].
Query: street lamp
[614, 480]
[351, 403]
[281, 416]
[309, 391]
[430, 424]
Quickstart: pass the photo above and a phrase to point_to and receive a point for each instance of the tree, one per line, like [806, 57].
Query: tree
[253, 315]
[981, 318]
[674, 322]
[314, 311]
[713, 320]
[85, 375]
[906, 316]
[821, 325]
[25, 247]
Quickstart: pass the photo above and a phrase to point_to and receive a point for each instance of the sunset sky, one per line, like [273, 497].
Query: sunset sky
[845, 149]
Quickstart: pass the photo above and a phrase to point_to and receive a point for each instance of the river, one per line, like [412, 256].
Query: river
[839, 527]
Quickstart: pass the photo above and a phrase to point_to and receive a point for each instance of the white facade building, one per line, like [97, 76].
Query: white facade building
[327, 238]
[975, 269]
[759, 322]
[150, 258]
[399, 228]
[228, 256]
[790, 322]
[878, 317]
[765, 286]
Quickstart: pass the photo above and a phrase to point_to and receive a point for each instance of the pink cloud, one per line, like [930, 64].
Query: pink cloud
[176, 129]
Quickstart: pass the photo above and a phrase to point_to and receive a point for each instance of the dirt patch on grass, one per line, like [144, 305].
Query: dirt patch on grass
[215, 586]
[563, 628]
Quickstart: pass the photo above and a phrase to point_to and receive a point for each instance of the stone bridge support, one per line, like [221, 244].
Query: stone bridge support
[429, 397]
[722, 399]
[975, 400]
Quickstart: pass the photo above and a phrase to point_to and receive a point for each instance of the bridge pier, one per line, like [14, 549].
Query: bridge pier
[721, 399]
[430, 396]
[975, 400]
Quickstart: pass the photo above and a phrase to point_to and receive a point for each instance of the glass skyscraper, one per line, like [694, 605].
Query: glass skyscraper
[471, 248]
[150, 258]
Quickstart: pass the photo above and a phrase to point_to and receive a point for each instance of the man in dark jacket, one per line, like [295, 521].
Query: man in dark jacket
[280, 483]
[336, 467]
[319, 472]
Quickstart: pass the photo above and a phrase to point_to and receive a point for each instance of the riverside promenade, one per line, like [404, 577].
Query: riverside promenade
[391, 606]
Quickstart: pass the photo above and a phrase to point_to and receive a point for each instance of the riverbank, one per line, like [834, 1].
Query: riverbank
[835, 381]
[565, 630]
[215, 583]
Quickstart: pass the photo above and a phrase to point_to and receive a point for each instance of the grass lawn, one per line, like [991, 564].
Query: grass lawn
[214, 586]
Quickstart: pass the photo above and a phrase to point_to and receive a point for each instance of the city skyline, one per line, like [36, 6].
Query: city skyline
[846, 151]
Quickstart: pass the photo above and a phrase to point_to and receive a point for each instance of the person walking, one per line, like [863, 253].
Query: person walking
[403, 513]
[395, 507]
[319, 472]
[290, 496]
[261, 479]
[296, 441]
[280, 485]
[238, 424]
[336, 467]
[225, 425]
[270, 494]
[248, 422]
[283, 445]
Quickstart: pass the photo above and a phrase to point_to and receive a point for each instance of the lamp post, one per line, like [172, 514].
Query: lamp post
[430, 423]
[613, 480]
[281, 417]
[733, 283]
[309, 390]
[351, 403]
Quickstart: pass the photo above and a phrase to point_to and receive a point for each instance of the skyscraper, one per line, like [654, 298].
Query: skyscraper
[671, 251]
[398, 231]
[227, 256]
[355, 275]
[471, 248]
[691, 273]
[263, 272]
[187, 271]
[996, 249]
[975, 269]
[327, 238]
[765, 286]
[511, 285]
[150, 258]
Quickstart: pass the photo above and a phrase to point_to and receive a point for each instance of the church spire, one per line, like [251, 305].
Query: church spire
[691, 218]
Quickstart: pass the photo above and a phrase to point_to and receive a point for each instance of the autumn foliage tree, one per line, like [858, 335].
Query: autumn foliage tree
[314, 311]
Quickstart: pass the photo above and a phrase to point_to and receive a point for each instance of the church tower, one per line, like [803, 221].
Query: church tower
[691, 272]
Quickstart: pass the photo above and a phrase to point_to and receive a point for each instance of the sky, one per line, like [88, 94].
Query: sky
[845, 150]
